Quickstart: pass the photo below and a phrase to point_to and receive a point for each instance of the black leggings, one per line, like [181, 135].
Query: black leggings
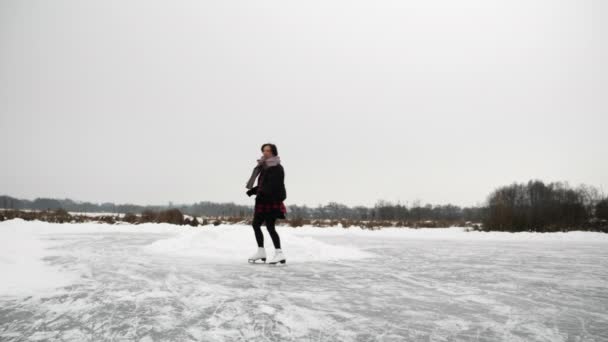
[259, 236]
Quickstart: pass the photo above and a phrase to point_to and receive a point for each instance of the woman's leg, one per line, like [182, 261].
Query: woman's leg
[276, 241]
[257, 224]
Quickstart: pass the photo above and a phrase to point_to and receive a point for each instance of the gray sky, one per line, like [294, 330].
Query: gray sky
[443, 101]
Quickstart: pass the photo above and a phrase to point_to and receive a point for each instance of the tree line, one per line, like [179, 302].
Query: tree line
[382, 210]
[533, 206]
[537, 206]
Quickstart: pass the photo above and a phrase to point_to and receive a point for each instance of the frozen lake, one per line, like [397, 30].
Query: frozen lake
[159, 282]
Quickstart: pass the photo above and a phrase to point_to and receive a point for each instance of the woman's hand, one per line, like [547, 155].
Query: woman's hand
[252, 191]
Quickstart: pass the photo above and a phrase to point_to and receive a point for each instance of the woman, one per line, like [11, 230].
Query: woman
[270, 194]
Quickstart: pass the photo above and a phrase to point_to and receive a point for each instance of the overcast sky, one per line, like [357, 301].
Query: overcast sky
[147, 102]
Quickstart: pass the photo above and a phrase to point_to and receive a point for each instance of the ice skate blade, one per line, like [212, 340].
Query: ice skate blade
[253, 261]
[276, 262]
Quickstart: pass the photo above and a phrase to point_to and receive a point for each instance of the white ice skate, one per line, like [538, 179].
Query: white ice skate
[278, 257]
[260, 254]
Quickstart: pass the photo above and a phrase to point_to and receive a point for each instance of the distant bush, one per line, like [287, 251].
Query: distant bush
[194, 222]
[346, 223]
[536, 206]
[321, 223]
[147, 216]
[58, 216]
[371, 224]
[106, 219]
[130, 217]
[601, 209]
[232, 219]
[296, 222]
[173, 216]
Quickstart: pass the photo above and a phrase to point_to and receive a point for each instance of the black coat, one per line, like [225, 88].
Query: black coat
[273, 185]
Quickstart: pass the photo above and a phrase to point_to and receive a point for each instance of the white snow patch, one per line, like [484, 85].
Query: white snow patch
[237, 243]
[24, 272]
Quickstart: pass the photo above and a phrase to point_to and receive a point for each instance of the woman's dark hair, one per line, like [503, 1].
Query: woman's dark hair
[273, 148]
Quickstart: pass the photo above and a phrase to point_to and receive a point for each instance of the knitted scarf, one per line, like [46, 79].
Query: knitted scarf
[262, 163]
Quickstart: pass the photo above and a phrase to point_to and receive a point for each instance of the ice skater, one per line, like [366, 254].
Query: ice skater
[270, 193]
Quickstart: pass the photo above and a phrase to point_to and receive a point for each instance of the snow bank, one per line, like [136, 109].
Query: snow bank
[236, 242]
[24, 272]
[24, 245]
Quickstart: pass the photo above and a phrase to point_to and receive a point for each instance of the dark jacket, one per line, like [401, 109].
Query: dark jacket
[272, 187]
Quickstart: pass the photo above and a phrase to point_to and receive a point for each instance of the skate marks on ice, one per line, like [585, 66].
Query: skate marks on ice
[403, 290]
[120, 290]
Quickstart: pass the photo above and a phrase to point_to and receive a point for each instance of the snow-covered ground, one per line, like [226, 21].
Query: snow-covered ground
[161, 282]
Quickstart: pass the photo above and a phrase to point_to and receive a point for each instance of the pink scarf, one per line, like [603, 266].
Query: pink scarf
[262, 163]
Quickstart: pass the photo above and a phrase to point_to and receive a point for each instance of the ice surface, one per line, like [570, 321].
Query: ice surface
[160, 282]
